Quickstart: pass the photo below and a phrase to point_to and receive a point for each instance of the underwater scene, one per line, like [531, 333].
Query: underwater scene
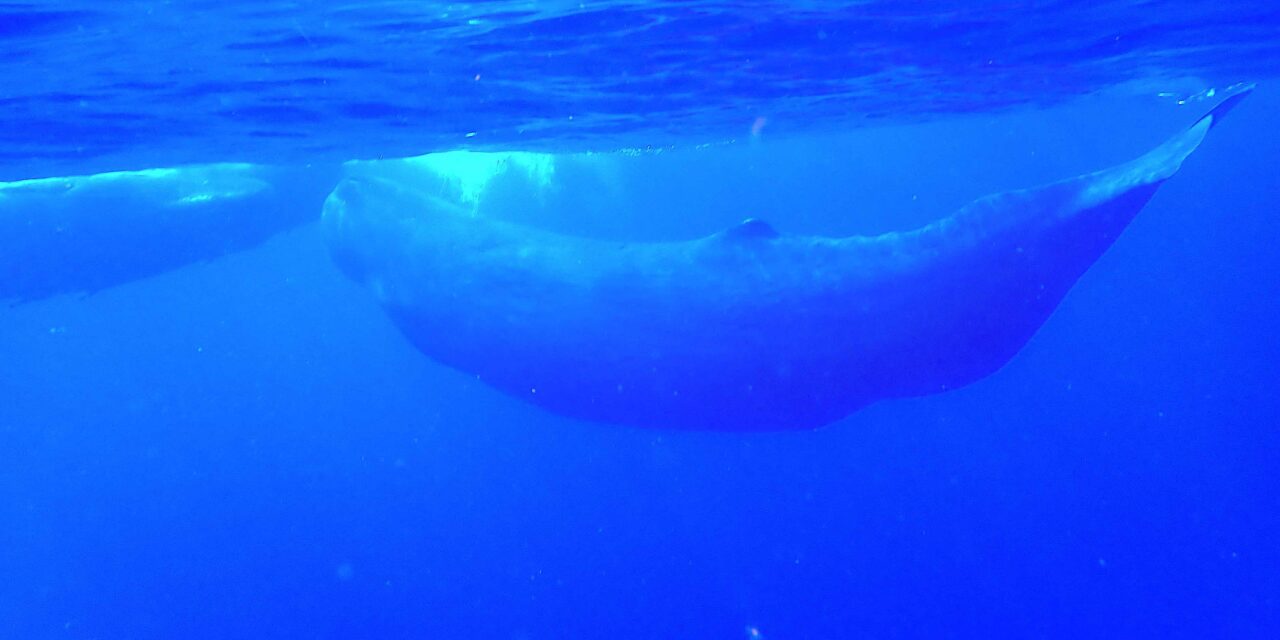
[651, 319]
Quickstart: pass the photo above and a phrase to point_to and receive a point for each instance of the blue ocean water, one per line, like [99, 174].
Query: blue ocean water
[245, 447]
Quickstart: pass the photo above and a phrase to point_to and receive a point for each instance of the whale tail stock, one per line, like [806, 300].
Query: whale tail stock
[1108, 198]
[1033, 245]
[1162, 162]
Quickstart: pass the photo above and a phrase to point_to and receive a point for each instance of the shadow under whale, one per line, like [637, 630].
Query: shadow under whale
[746, 329]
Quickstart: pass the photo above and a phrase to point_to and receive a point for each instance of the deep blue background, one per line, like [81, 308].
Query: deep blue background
[248, 449]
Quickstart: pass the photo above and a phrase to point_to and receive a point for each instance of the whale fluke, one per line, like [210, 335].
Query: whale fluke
[746, 329]
[1216, 114]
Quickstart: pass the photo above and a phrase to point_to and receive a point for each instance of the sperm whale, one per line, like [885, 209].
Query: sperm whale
[81, 234]
[746, 329]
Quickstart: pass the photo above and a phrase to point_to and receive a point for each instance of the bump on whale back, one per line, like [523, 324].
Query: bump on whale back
[750, 229]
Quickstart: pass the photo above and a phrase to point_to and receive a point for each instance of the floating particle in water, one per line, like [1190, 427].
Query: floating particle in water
[345, 571]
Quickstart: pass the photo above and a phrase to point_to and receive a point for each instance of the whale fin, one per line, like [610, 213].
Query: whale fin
[750, 229]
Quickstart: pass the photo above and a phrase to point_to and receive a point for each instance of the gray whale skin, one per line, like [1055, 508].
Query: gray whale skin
[745, 329]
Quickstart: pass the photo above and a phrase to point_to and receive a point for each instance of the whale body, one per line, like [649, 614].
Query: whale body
[747, 329]
[85, 233]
